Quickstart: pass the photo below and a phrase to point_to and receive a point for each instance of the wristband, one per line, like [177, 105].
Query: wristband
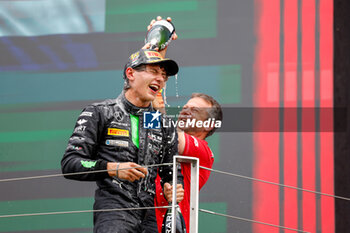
[117, 170]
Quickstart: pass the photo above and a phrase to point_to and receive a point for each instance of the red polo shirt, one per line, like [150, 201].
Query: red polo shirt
[194, 147]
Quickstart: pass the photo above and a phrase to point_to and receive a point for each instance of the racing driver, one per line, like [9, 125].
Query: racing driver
[110, 137]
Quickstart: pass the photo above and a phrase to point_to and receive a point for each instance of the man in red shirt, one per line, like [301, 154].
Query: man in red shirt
[200, 107]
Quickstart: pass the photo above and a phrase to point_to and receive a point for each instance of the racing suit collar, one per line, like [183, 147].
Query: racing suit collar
[132, 109]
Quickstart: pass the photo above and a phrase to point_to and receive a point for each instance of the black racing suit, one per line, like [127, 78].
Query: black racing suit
[106, 132]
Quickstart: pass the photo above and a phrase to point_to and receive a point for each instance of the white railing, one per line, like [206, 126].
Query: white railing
[194, 202]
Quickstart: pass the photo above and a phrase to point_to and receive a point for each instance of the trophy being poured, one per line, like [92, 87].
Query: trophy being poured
[160, 35]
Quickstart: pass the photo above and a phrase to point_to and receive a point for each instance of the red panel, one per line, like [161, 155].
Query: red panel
[266, 94]
[326, 101]
[290, 120]
[308, 115]
[266, 145]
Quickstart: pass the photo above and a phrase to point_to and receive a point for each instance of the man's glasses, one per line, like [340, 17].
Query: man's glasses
[153, 70]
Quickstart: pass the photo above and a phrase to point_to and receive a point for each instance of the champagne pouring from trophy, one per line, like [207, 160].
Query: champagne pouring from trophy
[160, 33]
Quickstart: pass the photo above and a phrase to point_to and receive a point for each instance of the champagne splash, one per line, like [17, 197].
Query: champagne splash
[165, 100]
[176, 92]
[177, 89]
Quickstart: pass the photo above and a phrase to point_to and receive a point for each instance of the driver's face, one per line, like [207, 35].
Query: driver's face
[149, 80]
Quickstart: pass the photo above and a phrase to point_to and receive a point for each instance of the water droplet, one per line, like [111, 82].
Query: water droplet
[176, 87]
[165, 100]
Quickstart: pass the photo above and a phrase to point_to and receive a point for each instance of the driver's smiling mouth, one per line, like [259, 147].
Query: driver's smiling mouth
[154, 87]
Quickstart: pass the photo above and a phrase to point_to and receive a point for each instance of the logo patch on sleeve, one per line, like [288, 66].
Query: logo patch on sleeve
[82, 121]
[117, 143]
[88, 164]
[118, 132]
[88, 114]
